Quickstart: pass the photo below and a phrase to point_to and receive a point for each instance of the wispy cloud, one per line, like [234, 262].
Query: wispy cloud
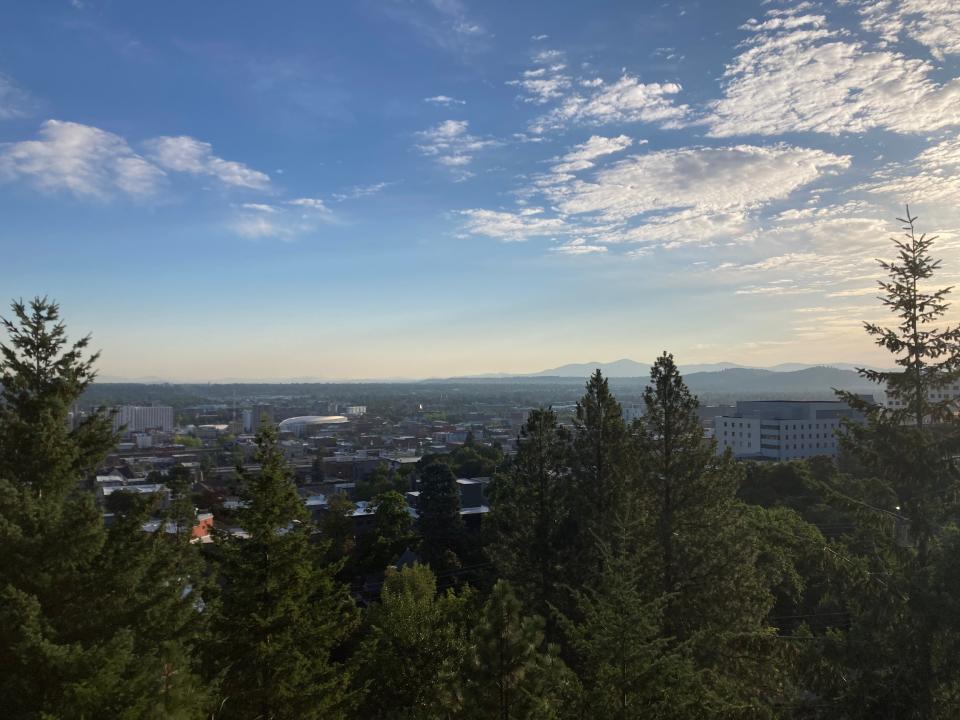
[933, 23]
[287, 221]
[448, 24]
[796, 74]
[189, 155]
[360, 191]
[14, 102]
[444, 100]
[626, 100]
[452, 145]
[79, 159]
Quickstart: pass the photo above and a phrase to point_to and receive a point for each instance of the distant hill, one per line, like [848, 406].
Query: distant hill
[622, 368]
[801, 382]
[626, 368]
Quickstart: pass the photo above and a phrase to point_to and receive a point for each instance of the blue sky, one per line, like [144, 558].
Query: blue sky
[386, 188]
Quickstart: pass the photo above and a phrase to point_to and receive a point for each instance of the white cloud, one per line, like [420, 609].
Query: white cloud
[451, 144]
[933, 175]
[189, 155]
[582, 156]
[546, 82]
[14, 102]
[444, 100]
[933, 23]
[511, 226]
[299, 217]
[795, 74]
[708, 180]
[314, 205]
[358, 191]
[80, 159]
[694, 195]
[626, 100]
[578, 246]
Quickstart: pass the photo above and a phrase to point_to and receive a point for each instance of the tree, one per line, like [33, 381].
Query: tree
[700, 548]
[284, 615]
[393, 531]
[509, 673]
[908, 450]
[91, 624]
[416, 640]
[531, 514]
[439, 507]
[602, 467]
[629, 669]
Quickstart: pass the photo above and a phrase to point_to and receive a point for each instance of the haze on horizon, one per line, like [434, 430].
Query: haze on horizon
[438, 188]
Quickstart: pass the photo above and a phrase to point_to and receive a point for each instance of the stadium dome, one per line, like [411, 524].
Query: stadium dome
[300, 423]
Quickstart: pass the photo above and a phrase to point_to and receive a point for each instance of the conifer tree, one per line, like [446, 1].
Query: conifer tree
[900, 547]
[628, 668]
[414, 649]
[603, 469]
[531, 514]
[509, 673]
[284, 615]
[91, 624]
[700, 551]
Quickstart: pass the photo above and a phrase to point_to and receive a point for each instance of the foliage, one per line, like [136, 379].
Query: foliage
[284, 614]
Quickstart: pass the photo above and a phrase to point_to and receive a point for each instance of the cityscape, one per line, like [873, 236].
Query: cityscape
[446, 360]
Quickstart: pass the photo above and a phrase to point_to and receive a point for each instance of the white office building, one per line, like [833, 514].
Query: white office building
[782, 429]
[138, 419]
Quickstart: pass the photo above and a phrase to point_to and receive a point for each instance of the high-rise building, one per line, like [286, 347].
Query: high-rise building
[137, 418]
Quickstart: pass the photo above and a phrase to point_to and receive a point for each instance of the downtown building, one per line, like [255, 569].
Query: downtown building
[782, 429]
[138, 418]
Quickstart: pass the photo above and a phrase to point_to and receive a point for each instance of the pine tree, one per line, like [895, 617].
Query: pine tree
[415, 648]
[700, 550]
[603, 468]
[531, 514]
[91, 624]
[284, 615]
[509, 673]
[629, 669]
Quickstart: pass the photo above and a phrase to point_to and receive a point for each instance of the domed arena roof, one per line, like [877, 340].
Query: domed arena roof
[303, 420]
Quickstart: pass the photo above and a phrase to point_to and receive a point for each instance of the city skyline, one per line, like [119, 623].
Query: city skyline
[442, 188]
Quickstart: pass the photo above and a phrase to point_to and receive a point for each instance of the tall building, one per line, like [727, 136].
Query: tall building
[138, 418]
[258, 414]
[782, 429]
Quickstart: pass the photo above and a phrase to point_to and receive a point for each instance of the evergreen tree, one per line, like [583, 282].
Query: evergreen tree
[898, 627]
[700, 548]
[603, 467]
[629, 669]
[91, 624]
[414, 650]
[439, 508]
[284, 615]
[531, 514]
[509, 673]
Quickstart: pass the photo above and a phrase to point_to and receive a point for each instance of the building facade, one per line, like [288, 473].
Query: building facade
[138, 419]
[782, 429]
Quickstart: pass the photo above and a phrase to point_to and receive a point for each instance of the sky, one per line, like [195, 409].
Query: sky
[423, 188]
